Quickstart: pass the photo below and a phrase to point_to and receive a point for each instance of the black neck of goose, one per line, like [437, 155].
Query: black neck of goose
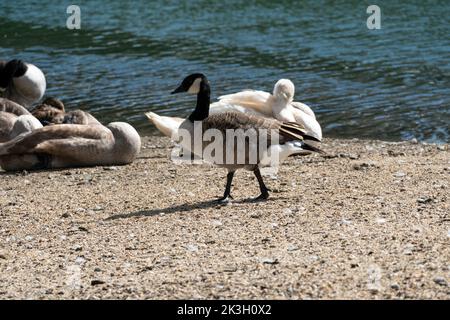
[4, 78]
[13, 68]
[201, 111]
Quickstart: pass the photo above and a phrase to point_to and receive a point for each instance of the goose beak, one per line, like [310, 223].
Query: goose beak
[178, 90]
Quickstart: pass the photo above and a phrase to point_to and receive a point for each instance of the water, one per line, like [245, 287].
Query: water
[390, 84]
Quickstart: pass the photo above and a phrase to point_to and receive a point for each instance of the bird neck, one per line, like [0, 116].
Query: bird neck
[279, 103]
[4, 78]
[13, 68]
[201, 111]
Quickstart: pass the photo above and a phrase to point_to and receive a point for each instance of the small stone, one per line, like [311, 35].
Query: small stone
[414, 141]
[97, 269]
[80, 260]
[395, 286]
[417, 229]
[3, 255]
[216, 223]
[287, 211]
[29, 238]
[83, 229]
[441, 148]
[292, 247]
[192, 248]
[365, 165]
[65, 215]
[408, 250]
[110, 168]
[271, 261]
[77, 247]
[345, 221]
[424, 200]
[97, 282]
[380, 220]
[440, 281]
[230, 268]
[399, 174]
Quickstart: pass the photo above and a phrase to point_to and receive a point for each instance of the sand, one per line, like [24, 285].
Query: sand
[371, 220]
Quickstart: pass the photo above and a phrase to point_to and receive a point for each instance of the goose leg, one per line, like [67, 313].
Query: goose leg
[227, 194]
[264, 191]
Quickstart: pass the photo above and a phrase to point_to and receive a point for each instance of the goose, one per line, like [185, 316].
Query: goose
[14, 120]
[280, 106]
[292, 137]
[52, 111]
[21, 82]
[71, 145]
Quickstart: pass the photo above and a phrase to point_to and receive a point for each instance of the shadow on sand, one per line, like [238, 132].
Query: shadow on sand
[182, 208]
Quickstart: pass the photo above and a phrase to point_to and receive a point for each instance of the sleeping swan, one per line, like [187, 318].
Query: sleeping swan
[279, 105]
[71, 145]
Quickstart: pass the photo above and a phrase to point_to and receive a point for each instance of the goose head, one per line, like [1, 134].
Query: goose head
[284, 90]
[10, 69]
[193, 84]
[22, 82]
[197, 83]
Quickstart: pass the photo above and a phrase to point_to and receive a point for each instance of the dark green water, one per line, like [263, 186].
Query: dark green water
[390, 84]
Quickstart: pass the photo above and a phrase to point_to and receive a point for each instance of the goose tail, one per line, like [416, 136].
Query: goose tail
[312, 148]
[295, 131]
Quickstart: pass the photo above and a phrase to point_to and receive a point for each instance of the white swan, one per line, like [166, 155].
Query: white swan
[21, 82]
[280, 106]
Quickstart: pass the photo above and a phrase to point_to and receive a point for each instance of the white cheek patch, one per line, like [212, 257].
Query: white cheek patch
[195, 87]
[32, 84]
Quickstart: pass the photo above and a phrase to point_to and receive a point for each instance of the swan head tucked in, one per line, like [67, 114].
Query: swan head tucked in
[127, 141]
[284, 90]
[49, 111]
[192, 84]
[25, 123]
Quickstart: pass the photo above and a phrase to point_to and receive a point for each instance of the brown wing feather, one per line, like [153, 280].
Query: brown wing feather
[288, 131]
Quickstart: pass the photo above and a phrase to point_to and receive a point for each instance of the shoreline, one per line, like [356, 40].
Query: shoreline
[369, 220]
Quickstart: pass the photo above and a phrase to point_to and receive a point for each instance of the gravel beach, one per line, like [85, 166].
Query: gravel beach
[369, 220]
